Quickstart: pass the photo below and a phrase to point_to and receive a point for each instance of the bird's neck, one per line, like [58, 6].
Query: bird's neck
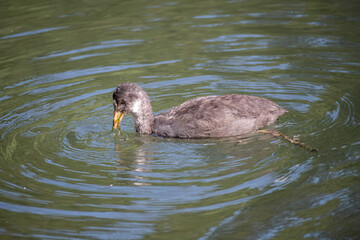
[144, 119]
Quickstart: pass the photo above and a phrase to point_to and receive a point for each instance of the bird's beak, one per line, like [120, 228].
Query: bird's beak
[118, 115]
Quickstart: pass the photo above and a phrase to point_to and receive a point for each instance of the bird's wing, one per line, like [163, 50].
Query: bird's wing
[215, 116]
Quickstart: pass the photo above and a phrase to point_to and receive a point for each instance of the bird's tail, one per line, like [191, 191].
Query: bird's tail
[277, 134]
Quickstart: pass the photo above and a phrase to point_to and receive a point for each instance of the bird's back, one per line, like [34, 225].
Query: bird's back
[217, 116]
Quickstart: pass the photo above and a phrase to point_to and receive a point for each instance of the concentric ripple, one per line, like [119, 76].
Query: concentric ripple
[75, 167]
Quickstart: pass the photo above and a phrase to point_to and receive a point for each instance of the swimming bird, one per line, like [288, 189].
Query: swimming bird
[201, 117]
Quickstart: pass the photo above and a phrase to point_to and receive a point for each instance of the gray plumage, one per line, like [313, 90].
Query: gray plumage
[201, 117]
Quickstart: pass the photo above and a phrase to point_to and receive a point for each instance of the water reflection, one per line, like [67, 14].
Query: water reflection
[29, 33]
[102, 45]
[133, 162]
[206, 173]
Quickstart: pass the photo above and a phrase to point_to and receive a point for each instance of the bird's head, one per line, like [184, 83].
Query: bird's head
[127, 98]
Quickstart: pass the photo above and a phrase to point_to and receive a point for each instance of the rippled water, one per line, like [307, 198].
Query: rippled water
[65, 174]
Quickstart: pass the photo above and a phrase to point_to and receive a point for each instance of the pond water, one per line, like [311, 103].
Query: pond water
[65, 174]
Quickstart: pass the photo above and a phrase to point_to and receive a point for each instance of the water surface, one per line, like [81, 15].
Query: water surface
[65, 174]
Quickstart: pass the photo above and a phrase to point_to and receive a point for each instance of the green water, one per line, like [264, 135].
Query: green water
[65, 175]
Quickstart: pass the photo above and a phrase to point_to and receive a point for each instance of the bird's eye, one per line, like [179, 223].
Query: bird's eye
[122, 101]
